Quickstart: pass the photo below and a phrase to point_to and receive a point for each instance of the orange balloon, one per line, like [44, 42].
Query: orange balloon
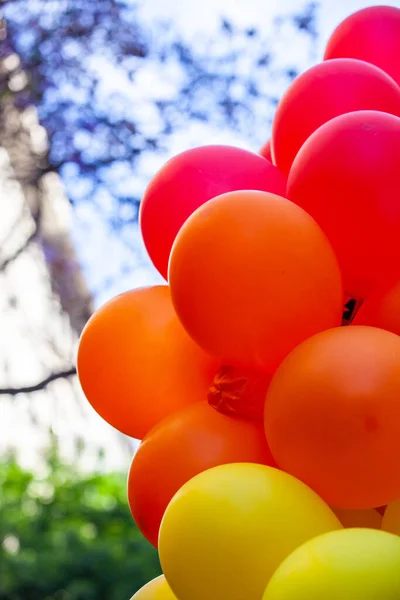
[332, 416]
[251, 276]
[136, 363]
[186, 443]
[381, 309]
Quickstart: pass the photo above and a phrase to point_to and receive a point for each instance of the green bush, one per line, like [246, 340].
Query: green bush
[68, 536]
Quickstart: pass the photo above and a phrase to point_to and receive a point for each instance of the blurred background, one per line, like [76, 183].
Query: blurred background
[95, 95]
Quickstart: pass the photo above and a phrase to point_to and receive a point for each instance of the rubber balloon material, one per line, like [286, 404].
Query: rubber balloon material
[352, 564]
[329, 89]
[381, 309]
[227, 529]
[369, 518]
[189, 180]
[240, 392]
[252, 276]
[157, 589]
[265, 151]
[346, 176]
[391, 518]
[136, 364]
[184, 444]
[371, 34]
[332, 416]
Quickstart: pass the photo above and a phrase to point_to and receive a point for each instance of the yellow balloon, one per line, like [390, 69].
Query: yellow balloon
[352, 564]
[391, 518]
[368, 517]
[227, 529]
[157, 589]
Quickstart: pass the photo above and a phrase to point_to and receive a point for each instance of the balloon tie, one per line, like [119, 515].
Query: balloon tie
[239, 392]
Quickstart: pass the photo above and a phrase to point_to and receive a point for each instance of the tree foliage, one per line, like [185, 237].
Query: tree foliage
[109, 90]
[68, 536]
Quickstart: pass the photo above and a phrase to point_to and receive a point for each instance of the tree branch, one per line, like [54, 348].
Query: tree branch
[38, 386]
[17, 253]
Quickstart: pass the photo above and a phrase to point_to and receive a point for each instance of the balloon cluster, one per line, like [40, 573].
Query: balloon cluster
[264, 379]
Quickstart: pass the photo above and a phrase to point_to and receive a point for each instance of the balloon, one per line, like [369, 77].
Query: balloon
[157, 589]
[266, 151]
[136, 364]
[391, 518]
[371, 34]
[323, 92]
[240, 391]
[351, 564]
[368, 517]
[347, 177]
[381, 309]
[184, 444]
[251, 276]
[332, 416]
[227, 529]
[189, 180]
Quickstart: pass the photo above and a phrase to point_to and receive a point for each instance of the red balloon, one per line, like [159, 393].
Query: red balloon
[181, 446]
[347, 177]
[189, 180]
[371, 34]
[266, 151]
[381, 309]
[323, 92]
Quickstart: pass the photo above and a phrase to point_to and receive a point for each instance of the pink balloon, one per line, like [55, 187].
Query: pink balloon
[371, 34]
[189, 180]
[325, 91]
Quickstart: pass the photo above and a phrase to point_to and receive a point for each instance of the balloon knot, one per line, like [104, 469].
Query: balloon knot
[239, 392]
[351, 308]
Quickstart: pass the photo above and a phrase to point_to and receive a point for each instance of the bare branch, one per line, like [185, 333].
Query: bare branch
[18, 252]
[29, 389]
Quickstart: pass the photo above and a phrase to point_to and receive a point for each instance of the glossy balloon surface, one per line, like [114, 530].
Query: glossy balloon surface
[189, 180]
[332, 416]
[227, 529]
[136, 363]
[352, 564]
[252, 276]
[184, 444]
[324, 91]
[347, 177]
[371, 34]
